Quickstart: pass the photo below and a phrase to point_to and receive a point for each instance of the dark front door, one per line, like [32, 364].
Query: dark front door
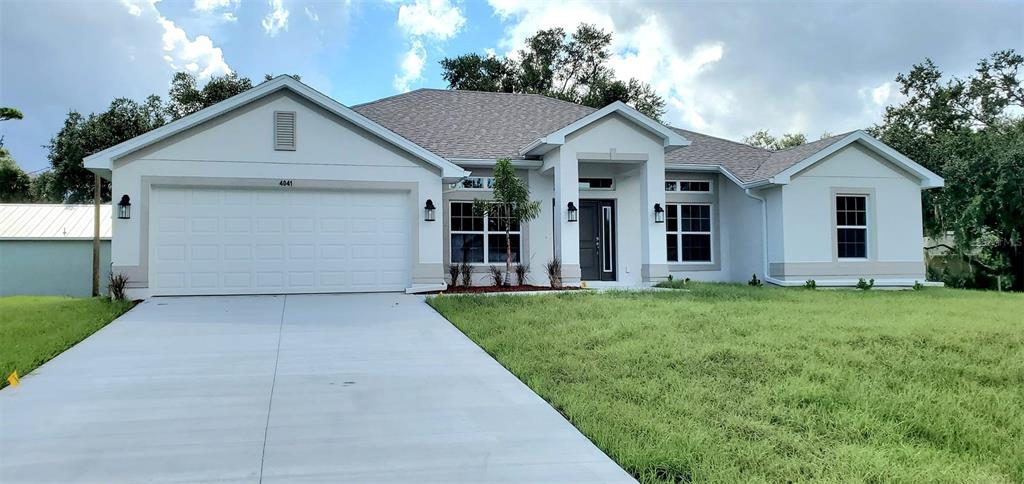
[597, 240]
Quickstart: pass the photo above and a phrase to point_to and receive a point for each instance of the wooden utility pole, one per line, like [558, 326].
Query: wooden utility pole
[96, 238]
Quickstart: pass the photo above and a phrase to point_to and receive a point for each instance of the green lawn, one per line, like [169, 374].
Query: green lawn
[730, 383]
[34, 329]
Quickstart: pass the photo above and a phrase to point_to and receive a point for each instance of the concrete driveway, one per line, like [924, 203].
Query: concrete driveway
[306, 388]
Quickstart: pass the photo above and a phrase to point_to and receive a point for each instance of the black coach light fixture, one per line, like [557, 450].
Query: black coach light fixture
[574, 214]
[124, 208]
[659, 214]
[429, 211]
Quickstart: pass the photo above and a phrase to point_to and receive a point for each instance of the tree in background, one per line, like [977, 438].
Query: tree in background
[82, 136]
[184, 97]
[510, 204]
[69, 181]
[572, 67]
[971, 132]
[9, 113]
[14, 183]
[763, 139]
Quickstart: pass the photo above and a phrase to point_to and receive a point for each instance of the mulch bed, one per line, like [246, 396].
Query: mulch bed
[485, 289]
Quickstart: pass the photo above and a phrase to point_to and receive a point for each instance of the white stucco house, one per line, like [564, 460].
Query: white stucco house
[281, 189]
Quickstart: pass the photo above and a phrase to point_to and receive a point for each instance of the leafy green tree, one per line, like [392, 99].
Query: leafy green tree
[472, 72]
[9, 113]
[185, 97]
[14, 183]
[82, 136]
[763, 139]
[970, 132]
[510, 204]
[44, 190]
[573, 67]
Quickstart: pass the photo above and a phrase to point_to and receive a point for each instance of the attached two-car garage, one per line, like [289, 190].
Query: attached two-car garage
[268, 241]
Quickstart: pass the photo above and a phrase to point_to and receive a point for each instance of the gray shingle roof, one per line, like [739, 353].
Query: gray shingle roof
[490, 125]
[472, 124]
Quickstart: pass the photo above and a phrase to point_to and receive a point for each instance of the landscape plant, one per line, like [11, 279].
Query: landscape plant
[466, 271]
[553, 267]
[522, 273]
[509, 204]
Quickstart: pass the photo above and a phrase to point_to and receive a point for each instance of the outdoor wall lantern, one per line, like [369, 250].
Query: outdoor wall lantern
[574, 214]
[429, 211]
[659, 214]
[124, 208]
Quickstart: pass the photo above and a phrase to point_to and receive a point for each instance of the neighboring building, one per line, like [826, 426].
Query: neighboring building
[281, 189]
[46, 249]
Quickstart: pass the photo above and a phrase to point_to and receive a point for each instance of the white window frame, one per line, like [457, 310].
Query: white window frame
[679, 232]
[488, 182]
[676, 184]
[866, 227]
[486, 235]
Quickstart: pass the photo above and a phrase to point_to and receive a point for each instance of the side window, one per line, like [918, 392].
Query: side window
[851, 226]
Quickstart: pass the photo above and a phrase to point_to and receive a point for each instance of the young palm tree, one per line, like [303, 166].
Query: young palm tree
[510, 203]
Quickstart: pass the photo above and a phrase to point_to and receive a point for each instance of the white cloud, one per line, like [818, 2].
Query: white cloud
[311, 14]
[277, 19]
[197, 55]
[424, 20]
[642, 48]
[133, 7]
[411, 66]
[438, 19]
[222, 9]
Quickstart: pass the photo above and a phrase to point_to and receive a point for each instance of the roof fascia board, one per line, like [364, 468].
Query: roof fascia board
[490, 162]
[103, 160]
[927, 178]
[709, 168]
[668, 136]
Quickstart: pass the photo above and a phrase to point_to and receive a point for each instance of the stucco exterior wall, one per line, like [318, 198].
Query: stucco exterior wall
[808, 217]
[51, 267]
[621, 145]
[237, 150]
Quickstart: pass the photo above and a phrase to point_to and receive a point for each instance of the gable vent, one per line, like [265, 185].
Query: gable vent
[284, 130]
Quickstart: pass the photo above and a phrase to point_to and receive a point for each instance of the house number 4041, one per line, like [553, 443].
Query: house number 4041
[285, 183]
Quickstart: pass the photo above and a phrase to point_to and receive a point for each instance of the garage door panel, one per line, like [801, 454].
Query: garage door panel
[233, 241]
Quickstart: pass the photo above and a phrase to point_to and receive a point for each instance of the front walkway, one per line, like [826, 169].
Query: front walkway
[307, 388]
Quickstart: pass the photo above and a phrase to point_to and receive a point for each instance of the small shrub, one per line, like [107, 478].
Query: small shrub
[118, 286]
[810, 284]
[918, 286]
[754, 281]
[497, 276]
[522, 273]
[865, 285]
[466, 271]
[453, 274]
[554, 270]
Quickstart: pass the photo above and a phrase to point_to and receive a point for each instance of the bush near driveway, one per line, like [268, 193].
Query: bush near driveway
[35, 329]
[727, 383]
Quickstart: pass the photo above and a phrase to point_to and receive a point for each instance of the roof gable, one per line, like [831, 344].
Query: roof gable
[103, 160]
[669, 137]
[926, 177]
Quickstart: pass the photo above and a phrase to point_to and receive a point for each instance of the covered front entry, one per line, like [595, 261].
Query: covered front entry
[207, 240]
[597, 240]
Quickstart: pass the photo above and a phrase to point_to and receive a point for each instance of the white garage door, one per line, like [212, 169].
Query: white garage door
[252, 241]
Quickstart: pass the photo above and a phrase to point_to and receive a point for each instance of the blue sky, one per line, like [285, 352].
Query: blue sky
[726, 69]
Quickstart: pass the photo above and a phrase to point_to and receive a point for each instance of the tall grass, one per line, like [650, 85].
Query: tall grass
[728, 383]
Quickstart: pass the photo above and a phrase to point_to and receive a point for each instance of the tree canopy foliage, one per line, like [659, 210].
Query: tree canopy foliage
[68, 181]
[763, 139]
[569, 66]
[971, 132]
